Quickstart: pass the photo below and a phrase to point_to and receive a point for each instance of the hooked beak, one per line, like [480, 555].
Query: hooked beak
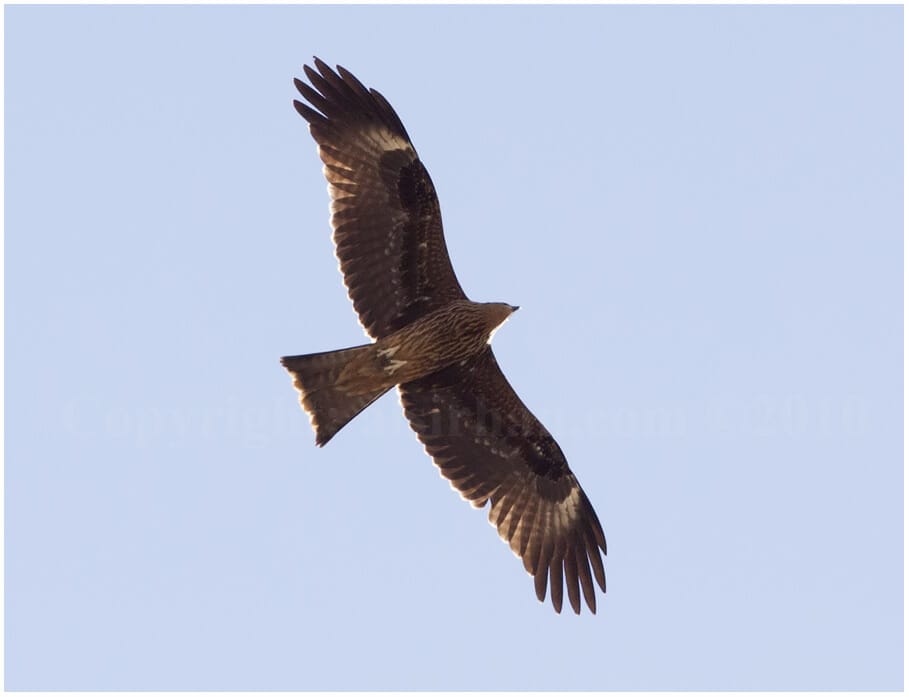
[515, 308]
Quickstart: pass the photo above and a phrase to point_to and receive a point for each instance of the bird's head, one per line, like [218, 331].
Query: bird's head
[497, 313]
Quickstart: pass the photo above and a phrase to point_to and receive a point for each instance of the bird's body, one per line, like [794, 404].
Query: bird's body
[457, 331]
[433, 343]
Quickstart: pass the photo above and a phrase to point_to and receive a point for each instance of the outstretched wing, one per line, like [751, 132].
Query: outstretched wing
[384, 211]
[491, 448]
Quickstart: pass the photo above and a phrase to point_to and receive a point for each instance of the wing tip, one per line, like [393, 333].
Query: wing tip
[347, 98]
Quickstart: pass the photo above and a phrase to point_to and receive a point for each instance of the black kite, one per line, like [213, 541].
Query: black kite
[433, 343]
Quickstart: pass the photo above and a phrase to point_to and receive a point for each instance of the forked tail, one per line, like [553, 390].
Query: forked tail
[335, 386]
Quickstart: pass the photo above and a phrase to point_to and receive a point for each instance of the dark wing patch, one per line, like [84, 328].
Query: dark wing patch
[491, 448]
[384, 210]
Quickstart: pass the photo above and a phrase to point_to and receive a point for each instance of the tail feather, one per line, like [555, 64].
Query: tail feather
[326, 392]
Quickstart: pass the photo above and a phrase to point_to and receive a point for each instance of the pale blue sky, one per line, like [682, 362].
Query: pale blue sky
[699, 211]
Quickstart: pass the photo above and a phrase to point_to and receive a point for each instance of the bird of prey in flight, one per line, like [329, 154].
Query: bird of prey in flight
[433, 344]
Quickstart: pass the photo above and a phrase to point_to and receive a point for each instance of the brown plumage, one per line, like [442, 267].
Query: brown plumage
[432, 342]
